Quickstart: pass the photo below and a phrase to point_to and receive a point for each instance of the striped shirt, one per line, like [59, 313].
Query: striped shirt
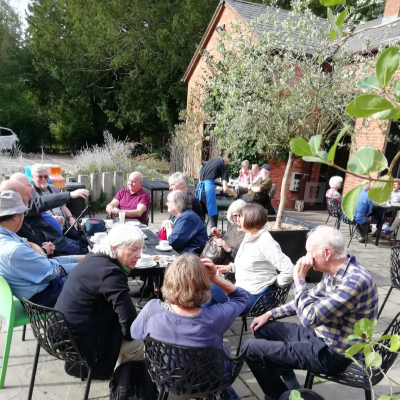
[333, 306]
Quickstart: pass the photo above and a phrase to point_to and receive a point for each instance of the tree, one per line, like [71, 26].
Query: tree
[273, 85]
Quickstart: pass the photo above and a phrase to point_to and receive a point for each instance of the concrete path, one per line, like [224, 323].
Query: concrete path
[53, 383]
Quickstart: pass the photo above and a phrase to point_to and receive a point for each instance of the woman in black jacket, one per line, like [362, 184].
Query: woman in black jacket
[96, 303]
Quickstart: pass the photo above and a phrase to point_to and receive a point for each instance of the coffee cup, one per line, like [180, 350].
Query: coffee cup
[99, 236]
[109, 223]
[163, 244]
[144, 259]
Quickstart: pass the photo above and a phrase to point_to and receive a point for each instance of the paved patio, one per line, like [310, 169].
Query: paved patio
[53, 383]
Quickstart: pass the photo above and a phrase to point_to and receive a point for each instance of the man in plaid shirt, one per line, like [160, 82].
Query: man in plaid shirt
[327, 314]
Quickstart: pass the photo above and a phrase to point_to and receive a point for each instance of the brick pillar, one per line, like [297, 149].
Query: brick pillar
[392, 9]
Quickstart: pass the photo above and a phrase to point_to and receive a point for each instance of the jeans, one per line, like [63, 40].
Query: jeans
[284, 346]
[67, 262]
[218, 296]
[48, 297]
[73, 247]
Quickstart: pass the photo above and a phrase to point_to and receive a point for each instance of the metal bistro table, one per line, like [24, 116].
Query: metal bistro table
[386, 209]
[223, 205]
[155, 186]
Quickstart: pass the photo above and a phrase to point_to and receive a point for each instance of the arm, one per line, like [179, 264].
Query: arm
[139, 325]
[181, 233]
[110, 206]
[40, 204]
[141, 209]
[227, 190]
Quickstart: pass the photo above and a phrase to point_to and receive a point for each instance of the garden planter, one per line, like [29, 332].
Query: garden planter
[293, 243]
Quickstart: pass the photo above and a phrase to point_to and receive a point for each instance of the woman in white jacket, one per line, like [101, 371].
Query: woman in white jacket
[257, 261]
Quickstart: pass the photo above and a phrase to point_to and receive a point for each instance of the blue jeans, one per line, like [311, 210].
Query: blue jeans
[67, 262]
[218, 296]
[73, 247]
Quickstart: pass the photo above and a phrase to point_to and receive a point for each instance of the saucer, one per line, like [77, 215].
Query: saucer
[164, 248]
[151, 264]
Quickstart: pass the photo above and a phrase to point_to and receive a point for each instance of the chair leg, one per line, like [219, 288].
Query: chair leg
[33, 376]
[327, 219]
[23, 333]
[5, 356]
[352, 232]
[241, 335]
[81, 372]
[163, 395]
[88, 383]
[368, 395]
[308, 384]
[384, 301]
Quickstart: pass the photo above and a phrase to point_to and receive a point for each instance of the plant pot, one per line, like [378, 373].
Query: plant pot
[293, 244]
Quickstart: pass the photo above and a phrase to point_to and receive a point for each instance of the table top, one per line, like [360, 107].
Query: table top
[388, 207]
[156, 185]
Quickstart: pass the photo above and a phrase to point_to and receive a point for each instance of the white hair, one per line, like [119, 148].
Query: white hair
[35, 168]
[139, 175]
[179, 177]
[180, 200]
[326, 237]
[335, 181]
[120, 235]
[246, 162]
[236, 206]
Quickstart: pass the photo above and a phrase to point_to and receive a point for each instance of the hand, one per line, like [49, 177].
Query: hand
[35, 247]
[49, 247]
[223, 269]
[235, 195]
[109, 209]
[59, 219]
[303, 265]
[84, 193]
[211, 268]
[167, 224]
[215, 231]
[222, 243]
[260, 321]
[72, 221]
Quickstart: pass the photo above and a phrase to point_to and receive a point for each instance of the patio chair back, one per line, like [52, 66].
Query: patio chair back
[190, 371]
[6, 301]
[272, 191]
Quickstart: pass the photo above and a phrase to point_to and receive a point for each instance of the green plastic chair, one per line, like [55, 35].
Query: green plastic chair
[13, 311]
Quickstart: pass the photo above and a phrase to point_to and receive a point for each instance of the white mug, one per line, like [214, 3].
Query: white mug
[144, 259]
[164, 244]
[99, 236]
[109, 223]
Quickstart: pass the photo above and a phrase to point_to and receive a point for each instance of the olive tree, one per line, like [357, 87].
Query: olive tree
[277, 80]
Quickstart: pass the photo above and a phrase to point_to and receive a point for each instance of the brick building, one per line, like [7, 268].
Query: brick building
[314, 178]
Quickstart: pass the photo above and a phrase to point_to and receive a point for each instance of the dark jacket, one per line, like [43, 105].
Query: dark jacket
[96, 303]
[35, 229]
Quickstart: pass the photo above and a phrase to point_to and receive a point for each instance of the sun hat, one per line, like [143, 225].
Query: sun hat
[11, 203]
[267, 167]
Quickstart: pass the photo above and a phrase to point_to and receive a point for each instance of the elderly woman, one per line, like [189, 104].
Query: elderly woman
[335, 184]
[179, 320]
[257, 260]
[95, 301]
[233, 236]
[188, 232]
[245, 174]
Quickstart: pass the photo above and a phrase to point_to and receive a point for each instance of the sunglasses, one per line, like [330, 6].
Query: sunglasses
[42, 176]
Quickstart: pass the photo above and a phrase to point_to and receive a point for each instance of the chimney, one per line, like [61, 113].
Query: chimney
[392, 10]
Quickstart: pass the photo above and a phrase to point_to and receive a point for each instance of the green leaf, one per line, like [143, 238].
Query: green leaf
[396, 117]
[332, 23]
[315, 143]
[387, 64]
[348, 207]
[373, 360]
[367, 349]
[367, 159]
[342, 16]
[384, 397]
[384, 337]
[332, 151]
[355, 349]
[332, 35]
[314, 159]
[381, 191]
[369, 82]
[295, 395]
[387, 114]
[395, 343]
[300, 147]
[353, 336]
[397, 88]
[319, 59]
[366, 327]
[323, 154]
[367, 104]
[330, 3]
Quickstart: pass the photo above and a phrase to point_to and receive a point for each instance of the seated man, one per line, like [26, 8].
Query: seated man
[255, 173]
[35, 228]
[41, 187]
[259, 190]
[393, 199]
[327, 312]
[134, 200]
[30, 274]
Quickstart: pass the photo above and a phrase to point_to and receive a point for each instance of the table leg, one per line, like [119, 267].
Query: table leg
[162, 200]
[152, 205]
[378, 231]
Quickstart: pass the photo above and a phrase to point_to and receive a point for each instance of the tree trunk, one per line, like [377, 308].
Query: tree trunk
[282, 201]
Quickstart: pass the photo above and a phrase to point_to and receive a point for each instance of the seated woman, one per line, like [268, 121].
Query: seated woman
[233, 236]
[256, 262]
[96, 304]
[188, 232]
[245, 174]
[335, 184]
[179, 320]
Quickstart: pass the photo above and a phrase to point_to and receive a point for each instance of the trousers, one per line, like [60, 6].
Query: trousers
[281, 347]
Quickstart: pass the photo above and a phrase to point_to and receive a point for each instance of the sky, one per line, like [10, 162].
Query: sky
[20, 6]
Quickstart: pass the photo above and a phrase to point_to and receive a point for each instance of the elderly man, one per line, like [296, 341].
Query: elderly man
[35, 228]
[42, 187]
[327, 312]
[255, 173]
[134, 200]
[23, 265]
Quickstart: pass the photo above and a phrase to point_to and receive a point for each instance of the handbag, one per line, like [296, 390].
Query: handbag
[213, 251]
[162, 234]
[95, 225]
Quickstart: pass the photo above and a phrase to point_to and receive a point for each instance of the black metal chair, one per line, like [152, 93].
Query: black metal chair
[356, 377]
[272, 191]
[52, 333]
[334, 209]
[264, 303]
[352, 228]
[190, 371]
[394, 274]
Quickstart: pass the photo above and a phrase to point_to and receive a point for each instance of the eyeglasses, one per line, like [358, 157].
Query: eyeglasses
[235, 215]
[42, 176]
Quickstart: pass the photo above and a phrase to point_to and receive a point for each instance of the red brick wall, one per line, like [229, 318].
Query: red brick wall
[392, 7]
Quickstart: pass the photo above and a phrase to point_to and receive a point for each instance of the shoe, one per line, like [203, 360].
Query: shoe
[138, 292]
[385, 236]
[362, 239]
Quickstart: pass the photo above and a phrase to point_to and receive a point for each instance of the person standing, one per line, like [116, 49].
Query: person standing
[205, 190]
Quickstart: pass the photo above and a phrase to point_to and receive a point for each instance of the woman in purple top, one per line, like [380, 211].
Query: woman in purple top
[179, 320]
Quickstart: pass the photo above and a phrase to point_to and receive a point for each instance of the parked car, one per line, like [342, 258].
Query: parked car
[8, 139]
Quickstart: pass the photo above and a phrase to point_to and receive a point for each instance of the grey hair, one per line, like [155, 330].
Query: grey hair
[180, 200]
[179, 177]
[329, 238]
[139, 174]
[120, 235]
[19, 176]
[246, 162]
[35, 168]
[235, 206]
[335, 181]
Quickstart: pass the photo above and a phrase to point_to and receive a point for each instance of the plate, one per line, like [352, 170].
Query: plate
[135, 223]
[164, 249]
[153, 264]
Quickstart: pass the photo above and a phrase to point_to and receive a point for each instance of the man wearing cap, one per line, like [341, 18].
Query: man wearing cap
[259, 190]
[30, 274]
